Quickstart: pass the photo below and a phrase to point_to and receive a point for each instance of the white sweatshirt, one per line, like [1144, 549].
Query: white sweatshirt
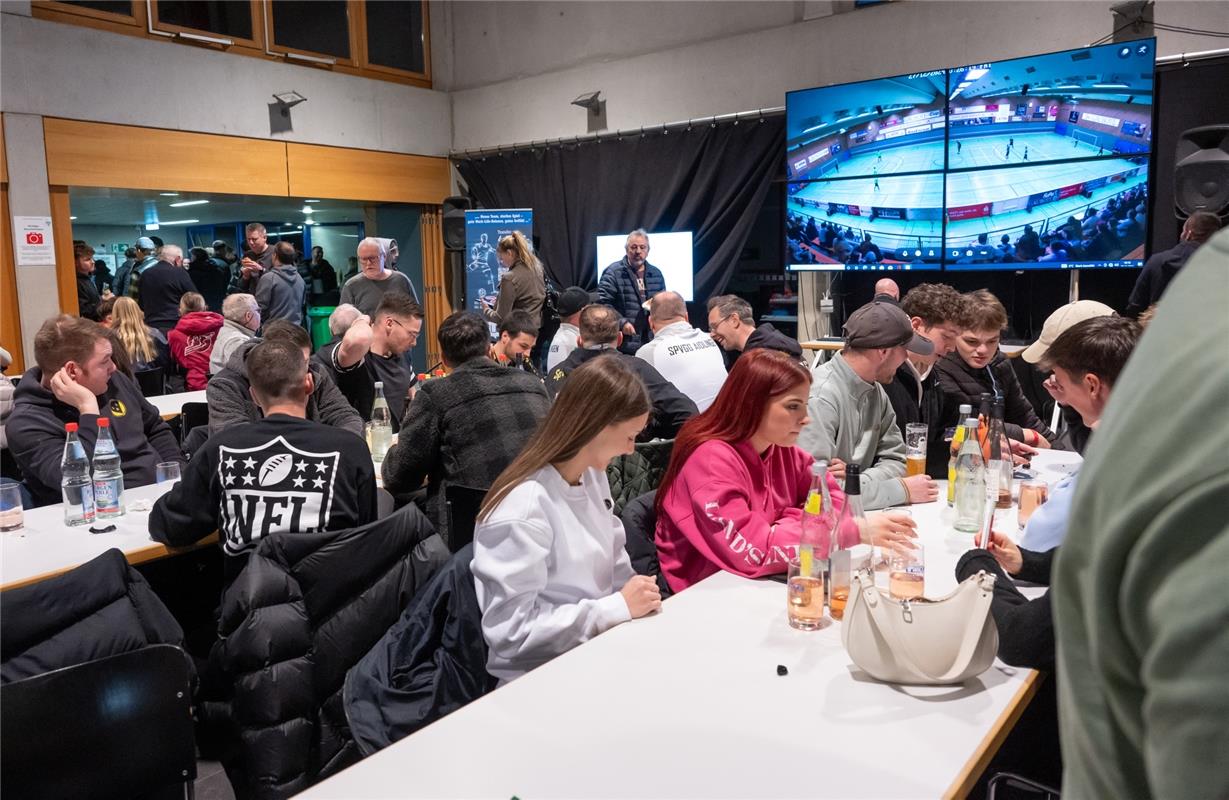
[548, 566]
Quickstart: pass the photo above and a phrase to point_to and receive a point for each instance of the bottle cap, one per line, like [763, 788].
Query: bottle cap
[71, 427]
[853, 479]
[104, 422]
[379, 384]
[965, 410]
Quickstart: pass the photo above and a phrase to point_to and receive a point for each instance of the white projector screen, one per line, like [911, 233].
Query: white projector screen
[670, 252]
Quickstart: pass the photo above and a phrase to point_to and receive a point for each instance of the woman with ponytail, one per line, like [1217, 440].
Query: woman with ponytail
[732, 496]
[523, 286]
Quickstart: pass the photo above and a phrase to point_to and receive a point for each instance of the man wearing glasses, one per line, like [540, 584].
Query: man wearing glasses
[731, 325]
[377, 261]
[373, 350]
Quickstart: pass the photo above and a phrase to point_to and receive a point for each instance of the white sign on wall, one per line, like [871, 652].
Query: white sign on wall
[35, 244]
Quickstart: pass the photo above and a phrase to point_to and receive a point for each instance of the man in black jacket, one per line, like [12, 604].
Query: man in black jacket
[1163, 266]
[76, 381]
[600, 337]
[732, 326]
[936, 311]
[159, 288]
[465, 428]
[281, 474]
[627, 285]
[87, 291]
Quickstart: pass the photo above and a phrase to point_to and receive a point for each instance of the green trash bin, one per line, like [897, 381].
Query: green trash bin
[318, 324]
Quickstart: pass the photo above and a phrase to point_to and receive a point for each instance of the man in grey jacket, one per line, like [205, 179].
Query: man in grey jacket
[281, 290]
[230, 399]
[852, 420]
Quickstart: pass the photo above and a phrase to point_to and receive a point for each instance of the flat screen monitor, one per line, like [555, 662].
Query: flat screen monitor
[1031, 163]
[669, 251]
[1048, 160]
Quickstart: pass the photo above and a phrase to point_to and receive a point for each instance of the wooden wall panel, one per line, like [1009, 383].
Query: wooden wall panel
[65, 265]
[10, 316]
[435, 296]
[345, 174]
[122, 156]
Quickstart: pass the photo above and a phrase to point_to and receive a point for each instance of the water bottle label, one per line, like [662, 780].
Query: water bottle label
[107, 495]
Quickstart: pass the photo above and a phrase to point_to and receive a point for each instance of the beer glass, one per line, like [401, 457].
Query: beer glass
[805, 595]
[907, 574]
[1033, 494]
[915, 449]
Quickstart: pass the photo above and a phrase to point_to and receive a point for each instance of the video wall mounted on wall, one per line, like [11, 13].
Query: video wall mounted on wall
[1031, 163]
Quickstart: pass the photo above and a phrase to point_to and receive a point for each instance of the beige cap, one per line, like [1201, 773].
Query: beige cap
[1061, 320]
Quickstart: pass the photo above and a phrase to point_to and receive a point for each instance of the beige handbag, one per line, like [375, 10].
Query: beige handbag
[921, 642]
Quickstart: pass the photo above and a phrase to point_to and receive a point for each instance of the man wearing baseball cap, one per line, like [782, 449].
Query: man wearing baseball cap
[852, 420]
[1032, 380]
[144, 248]
[571, 301]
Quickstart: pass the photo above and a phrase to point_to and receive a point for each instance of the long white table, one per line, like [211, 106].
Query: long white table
[688, 704]
[46, 546]
[171, 405]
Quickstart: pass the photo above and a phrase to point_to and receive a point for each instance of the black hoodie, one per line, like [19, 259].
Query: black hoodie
[770, 338]
[1157, 273]
[35, 433]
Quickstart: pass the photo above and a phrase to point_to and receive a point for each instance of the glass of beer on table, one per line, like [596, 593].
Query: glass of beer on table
[915, 449]
[1033, 495]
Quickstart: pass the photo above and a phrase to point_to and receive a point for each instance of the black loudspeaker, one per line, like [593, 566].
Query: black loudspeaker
[1201, 171]
[454, 209]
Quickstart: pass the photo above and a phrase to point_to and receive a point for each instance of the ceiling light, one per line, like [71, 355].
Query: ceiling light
[288, 99]
[169, 194]
[313, 201]
[178, 221]
[189, 203]
[151, 226]
[308, 209]
[72, 217]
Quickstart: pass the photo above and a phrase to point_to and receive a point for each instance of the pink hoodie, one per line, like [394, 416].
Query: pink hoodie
[731, 509]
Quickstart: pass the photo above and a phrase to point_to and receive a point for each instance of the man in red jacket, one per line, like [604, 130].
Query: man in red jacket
[192, 339]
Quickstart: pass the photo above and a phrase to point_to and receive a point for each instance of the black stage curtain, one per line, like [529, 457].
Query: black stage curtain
[711, 180]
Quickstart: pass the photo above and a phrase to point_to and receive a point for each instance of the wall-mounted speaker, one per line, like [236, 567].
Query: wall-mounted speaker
[1201, 171]
[453, 221]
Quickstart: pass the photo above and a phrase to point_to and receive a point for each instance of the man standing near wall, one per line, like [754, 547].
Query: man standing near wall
[280, 290]
[159, 288]
[378, 276]
[143, 257]
[627, 285]
[257, 258]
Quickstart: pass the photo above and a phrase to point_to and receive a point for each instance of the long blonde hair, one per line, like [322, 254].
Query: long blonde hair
[598, 393]
[516, 244]
[128, 322]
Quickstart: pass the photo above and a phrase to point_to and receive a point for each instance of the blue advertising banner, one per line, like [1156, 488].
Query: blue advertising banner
[483, 230]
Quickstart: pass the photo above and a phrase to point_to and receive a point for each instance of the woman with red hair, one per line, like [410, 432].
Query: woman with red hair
[733, 494]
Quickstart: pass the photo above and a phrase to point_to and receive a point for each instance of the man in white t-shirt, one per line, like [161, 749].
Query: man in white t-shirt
[685, 356]
[571, 301]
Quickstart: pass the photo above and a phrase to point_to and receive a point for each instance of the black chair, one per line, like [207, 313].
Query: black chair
[192, 415]
[639, 523]
[1007, 780]
[152, 381]
[116, 727]
[461, 504]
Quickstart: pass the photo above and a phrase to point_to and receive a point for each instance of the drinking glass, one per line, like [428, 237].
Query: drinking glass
[805, 596]
[12, 516]
[167, 471]
[881, 554]
[907, 574]
[915, 449]
[1033, 494]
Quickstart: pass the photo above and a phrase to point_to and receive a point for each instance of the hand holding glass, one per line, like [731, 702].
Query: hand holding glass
[907, 574]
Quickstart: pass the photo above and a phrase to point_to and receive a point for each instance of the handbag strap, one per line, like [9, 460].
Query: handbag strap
[900, 645]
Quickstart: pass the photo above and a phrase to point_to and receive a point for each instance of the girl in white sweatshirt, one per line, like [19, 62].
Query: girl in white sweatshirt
[549, 565]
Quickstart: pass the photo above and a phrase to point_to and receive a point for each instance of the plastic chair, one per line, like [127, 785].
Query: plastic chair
[152, 381]
[461, 512]
[192, 415]
[119, 726]
[1007, 780]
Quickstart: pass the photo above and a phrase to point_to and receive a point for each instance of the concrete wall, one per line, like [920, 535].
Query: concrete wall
[702, 76]
[58, 70]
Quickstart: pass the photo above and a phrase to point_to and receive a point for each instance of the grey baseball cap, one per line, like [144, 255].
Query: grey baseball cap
[880, 324]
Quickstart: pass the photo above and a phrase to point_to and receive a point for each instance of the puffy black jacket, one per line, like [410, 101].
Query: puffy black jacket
[963, 384]
[304, 610]
[432, 662]
[638, 472]
[767, 337]
[102, 608]
[618, 289]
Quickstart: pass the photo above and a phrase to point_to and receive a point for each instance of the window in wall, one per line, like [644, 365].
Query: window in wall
[121, 7]
[229, 18]
[312, 26]
[396, 36]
